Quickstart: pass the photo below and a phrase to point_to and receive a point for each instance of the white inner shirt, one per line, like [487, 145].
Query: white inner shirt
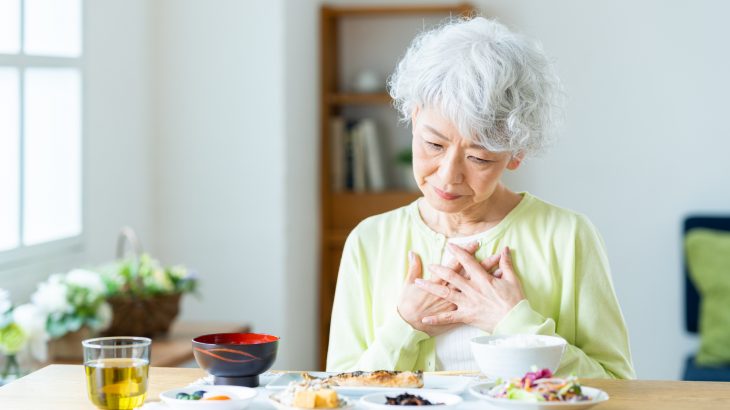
[453, 350]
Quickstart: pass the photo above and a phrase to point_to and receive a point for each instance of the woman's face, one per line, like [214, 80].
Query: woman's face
[454, 174]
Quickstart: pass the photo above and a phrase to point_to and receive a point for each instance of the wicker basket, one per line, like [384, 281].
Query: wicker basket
[148, 316]
[140, 315]
[68, 347]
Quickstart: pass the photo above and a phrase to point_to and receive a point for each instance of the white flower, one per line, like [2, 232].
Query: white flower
[52, 296]
[86, 279]
[104, 315]
[5, 303]
[32, 321]
[163, 282]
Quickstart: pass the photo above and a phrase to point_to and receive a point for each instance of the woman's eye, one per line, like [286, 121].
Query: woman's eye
[434, 146]
[479, 160]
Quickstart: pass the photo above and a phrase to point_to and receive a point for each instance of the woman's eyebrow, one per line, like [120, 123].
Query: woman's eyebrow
[443, 137]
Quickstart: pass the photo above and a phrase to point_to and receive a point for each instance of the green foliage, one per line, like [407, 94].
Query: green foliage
[405, 157]
[12, 339]
[145, 276]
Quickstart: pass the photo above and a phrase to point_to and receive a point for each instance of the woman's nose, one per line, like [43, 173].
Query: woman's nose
[450, 169]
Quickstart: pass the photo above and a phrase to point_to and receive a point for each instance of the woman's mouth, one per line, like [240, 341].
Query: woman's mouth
[446, 195]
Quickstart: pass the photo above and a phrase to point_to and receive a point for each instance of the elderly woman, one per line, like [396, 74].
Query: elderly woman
[471, 257]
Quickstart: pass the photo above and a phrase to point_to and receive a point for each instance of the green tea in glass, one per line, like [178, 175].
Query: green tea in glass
[116, 371]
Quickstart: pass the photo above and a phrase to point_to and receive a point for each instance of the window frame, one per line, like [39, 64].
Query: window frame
[25, 254]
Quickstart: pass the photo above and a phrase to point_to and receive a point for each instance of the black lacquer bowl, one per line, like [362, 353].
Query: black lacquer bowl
[235, 358]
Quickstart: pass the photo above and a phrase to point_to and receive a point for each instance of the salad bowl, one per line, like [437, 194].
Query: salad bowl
[482, 391]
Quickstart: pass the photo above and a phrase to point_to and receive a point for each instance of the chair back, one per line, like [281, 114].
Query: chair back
[691, 296]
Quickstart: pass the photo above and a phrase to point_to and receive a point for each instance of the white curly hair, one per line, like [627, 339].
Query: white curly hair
[497, 87]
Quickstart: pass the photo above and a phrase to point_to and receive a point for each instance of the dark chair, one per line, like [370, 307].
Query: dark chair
[692, 302]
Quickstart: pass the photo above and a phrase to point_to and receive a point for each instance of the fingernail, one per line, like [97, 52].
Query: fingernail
[426, 320]
[410, 255]
[420, 282]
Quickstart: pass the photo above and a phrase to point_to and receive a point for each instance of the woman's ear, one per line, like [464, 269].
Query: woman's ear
[414, 115]
[515, 161]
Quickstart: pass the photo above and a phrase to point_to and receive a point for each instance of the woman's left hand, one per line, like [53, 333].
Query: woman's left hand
[483, 296]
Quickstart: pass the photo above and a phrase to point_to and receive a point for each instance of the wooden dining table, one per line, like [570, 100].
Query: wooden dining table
[62, 387]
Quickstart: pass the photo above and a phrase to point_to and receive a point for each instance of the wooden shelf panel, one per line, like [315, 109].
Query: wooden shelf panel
[349, 208]
[342, 11]
[336, 237]
[359, 99]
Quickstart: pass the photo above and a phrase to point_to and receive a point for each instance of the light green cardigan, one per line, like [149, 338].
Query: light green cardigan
[559, 258]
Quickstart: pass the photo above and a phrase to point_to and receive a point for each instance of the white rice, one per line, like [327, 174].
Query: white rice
[518, 341]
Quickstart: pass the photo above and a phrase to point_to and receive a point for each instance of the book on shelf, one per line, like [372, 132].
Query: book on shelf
[338, 161]
[359, 166]
[373, 155]
[357, 161]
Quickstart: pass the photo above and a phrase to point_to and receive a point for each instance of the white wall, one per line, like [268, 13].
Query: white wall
[116, 140]
[222, 162]
[300, 186]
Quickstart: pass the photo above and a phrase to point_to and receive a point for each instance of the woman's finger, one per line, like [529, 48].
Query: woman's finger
[505, 264]
[451, 277]
[445, 318]
[442, 291]
[414, 267]
[454, 264]
[471, 247]
[471, 265]
[491, 262]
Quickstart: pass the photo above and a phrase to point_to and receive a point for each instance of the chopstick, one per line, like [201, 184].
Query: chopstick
[456, 373]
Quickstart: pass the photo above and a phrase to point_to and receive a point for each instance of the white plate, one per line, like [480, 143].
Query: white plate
[596, 395]
[377, 400]
[449, 384]
[345, 403]
[241, 397]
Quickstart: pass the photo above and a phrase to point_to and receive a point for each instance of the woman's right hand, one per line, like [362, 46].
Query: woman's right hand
[415, 304]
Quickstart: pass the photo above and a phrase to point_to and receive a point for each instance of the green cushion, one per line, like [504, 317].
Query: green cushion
[708, 257]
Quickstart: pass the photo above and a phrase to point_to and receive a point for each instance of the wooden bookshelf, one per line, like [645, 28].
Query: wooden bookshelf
[341, 211]
[358, 99]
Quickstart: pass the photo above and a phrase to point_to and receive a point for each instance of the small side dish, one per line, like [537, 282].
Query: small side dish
[209, 398]
[201, 395]
[309, 394]
[411, 397]
[407, 399]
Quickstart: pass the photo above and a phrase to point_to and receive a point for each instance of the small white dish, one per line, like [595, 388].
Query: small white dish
[448, 384]
[482, 391]
[441, 399]
[344, 402]
[241, 397]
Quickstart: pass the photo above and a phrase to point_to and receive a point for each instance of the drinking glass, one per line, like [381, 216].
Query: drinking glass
[116, 371]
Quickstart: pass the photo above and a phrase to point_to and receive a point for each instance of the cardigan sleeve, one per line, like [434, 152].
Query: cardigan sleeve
[601, 345]
[355, 342]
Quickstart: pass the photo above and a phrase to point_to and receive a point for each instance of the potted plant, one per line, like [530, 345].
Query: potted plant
[74, 305]
[404, 163]
[23, 336]
[144, 295]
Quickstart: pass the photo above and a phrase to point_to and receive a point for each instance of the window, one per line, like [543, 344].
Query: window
[41, 78]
